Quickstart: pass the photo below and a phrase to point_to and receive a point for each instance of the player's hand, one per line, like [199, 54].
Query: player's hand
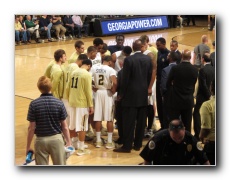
[91, 110]
[95, 89]
[150, 91]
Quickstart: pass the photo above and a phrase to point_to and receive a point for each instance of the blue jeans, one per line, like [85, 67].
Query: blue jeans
[48, 30]
[18, 33]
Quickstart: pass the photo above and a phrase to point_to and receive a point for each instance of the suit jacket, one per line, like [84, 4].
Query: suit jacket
[182, 79]
[206, 75]
[136, 76]
[178, 60]
[164, 78]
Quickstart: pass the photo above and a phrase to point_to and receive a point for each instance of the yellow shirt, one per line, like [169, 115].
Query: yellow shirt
[67, 73]
[17, 26]
[57, 79]
[79, 89]
[73, 58]
[153, 50]
[207, 115]
[48, 68]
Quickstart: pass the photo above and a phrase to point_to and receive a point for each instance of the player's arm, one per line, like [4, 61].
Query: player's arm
[30, 135]
[56, 77]
[88, 91]
[114, 80]
[154, 71]
[65, 131]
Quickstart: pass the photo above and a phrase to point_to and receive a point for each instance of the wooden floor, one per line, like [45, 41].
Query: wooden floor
[31, 61]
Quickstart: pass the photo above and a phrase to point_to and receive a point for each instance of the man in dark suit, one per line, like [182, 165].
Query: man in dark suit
[205, 77]
[182, 79]
[174, 48]
[136, 76]
[173, 58]
[162, 62]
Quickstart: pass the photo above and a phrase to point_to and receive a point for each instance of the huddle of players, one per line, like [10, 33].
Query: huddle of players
[87, 86]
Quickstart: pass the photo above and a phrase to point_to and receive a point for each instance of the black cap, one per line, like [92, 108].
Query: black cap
[173, 126]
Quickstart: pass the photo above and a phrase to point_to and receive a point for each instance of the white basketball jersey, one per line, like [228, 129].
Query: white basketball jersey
[101, 75]
[97, 59]
[146, 52]
[119, 60]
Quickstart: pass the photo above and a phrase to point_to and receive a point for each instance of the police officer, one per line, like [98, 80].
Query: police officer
[173, 146]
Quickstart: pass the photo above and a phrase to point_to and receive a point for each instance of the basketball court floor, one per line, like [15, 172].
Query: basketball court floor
[31, 61]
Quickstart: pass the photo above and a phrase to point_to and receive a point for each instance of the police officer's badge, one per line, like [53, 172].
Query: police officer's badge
[199, 146]
[152, 145]
[163, 59]
[189, 147]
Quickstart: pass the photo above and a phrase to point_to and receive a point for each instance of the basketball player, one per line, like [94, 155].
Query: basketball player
[67, 72]
[119, 56]
[105, 82]
[79, 47]
[57, 74]
[79, 92]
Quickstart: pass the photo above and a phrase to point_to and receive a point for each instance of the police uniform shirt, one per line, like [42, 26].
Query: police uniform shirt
[162, 150]
[162, 62]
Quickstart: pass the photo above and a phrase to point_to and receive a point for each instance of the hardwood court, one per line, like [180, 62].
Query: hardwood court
[31, 61]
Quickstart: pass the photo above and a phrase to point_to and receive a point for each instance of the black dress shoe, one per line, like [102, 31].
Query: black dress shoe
[122, 150]
[136, 148]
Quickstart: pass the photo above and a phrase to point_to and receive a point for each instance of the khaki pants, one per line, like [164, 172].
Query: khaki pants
[50, 146]
[59, 30]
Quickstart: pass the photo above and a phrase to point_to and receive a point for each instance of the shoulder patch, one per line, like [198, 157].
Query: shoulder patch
[152, 145]
[199, 146]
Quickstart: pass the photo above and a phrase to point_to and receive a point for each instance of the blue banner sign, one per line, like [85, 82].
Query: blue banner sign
[134, 24]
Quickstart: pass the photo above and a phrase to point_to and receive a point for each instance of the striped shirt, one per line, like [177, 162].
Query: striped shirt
[47, 112]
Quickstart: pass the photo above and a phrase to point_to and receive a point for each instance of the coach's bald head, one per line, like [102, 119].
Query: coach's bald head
[186, 54]
[137, 45]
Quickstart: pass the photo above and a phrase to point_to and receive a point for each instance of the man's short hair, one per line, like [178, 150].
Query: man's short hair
[82, 57]
[162, 40]
[107, 58]
[87, 62]
[58, 54]
[206, 58]
[127, 50]
[44, 84]
[97, 41]
[78, 44]
[175, 56]
[118, 35]
[91, 49]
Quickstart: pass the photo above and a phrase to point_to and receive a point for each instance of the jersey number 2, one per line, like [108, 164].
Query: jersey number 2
[101, 80]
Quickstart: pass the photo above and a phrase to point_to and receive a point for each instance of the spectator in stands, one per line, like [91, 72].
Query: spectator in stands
[59, 28]
[69, 25]
[79, 25]
[19, 30]
[32, 27]
[45, 24]
[22, 21]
